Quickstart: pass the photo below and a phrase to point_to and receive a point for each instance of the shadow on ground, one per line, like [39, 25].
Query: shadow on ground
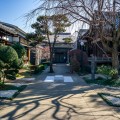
[60, 101]
[48, 101]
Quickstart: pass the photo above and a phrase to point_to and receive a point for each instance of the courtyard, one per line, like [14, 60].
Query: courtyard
[59, 100]
[60, 60]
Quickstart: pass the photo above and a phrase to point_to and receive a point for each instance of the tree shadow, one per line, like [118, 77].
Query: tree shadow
[56, 101]
[59, 93]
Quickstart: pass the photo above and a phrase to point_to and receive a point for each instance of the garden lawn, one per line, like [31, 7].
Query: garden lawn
[12, 89]
[103, 81]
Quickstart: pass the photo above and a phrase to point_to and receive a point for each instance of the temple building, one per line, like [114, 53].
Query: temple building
[62, 48]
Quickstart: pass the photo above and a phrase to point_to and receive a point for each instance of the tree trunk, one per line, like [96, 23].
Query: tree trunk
[37, 58]
[4, 77]
[51, 62]
[115, 59]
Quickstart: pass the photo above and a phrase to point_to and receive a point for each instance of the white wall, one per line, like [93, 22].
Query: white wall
[15, 39]
[10, 38]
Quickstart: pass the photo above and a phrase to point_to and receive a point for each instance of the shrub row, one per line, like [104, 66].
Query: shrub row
[37, 69]
[47, 63]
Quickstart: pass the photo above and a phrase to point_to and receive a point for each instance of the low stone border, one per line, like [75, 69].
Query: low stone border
[11, 93]
[96, 76]
[7, 93]
[28, 79]
[17, 84]
[86, 79]
[110, 99]
[106, 86]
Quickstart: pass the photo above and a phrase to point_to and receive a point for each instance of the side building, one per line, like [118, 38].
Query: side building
[10, 33]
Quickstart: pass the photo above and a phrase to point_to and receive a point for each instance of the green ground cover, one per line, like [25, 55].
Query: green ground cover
[103, 81]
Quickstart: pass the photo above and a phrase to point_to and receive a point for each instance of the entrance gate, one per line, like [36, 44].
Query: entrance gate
[61, 55]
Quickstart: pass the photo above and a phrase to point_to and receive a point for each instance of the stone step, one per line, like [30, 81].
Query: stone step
[58, 78]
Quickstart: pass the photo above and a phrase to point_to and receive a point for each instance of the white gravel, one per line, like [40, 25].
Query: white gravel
[7, 93]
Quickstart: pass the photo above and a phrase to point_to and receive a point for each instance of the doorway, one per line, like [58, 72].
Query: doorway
[60, 57]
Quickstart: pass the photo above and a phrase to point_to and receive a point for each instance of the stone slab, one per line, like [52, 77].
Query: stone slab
[7, 93]
[28, 79]
[49, 79]
[68, 79]
[58, 78]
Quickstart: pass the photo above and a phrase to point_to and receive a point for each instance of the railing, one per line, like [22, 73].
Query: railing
[100, 59]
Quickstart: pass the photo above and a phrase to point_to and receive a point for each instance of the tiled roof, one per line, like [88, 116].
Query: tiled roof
[14, 28]
[8, 29]
[61, 36]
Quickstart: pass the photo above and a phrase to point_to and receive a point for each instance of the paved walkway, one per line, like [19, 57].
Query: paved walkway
[58, 101]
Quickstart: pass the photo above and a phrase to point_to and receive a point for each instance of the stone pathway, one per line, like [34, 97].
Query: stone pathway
[58, 79]
[59, 101]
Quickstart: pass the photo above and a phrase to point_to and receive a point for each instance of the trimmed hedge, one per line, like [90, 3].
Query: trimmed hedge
[39, 69]
[20, 49]
[9, 63]
[46, 63]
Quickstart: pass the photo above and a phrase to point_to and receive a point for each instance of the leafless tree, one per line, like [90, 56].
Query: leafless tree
[102, 17]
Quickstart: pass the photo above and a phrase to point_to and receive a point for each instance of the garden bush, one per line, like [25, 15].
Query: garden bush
[38, 68]
[80, 58]
[47, 63]
[21, 51]
[43, 60]
[7, 54]
[75, 65]
[107, 71]
[42, 67]
[18, 63]
[9, 63]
